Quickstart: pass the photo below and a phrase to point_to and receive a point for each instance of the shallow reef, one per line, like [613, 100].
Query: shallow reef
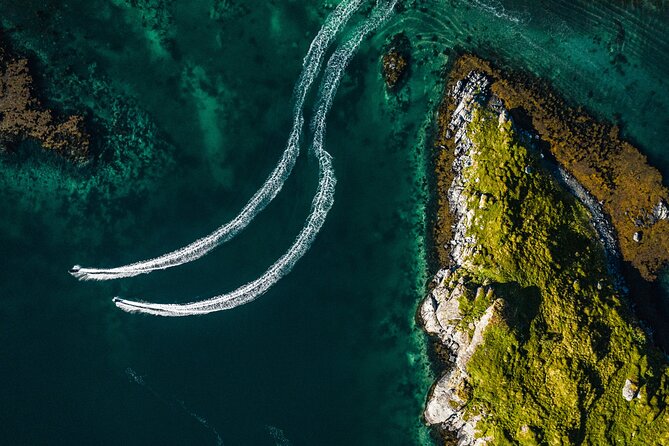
[539, 337]
[22, 115]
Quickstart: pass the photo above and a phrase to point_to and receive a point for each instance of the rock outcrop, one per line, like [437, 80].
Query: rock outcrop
[440, 314]
[396, 61]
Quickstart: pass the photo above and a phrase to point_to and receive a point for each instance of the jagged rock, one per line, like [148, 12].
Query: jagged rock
[483, 201]
[503, 119]
[661, 211]
[428, 316]
[446, 402]
[630, 390]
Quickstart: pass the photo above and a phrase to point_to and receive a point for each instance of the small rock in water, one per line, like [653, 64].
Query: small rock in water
[395, 62]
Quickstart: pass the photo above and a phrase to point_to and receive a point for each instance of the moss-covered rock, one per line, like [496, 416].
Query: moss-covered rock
[395, 62]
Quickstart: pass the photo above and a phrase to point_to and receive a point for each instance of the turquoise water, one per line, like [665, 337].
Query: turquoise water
[190, 106]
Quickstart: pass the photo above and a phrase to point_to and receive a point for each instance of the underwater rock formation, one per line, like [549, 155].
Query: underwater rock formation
[542, 345]
[222, 10]
[22, 116]
[157, 20]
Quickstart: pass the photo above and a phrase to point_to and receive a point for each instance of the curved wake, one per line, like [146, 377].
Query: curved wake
[272, 186]
[321, 203]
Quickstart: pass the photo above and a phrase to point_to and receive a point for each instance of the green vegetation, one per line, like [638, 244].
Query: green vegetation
[557, 356]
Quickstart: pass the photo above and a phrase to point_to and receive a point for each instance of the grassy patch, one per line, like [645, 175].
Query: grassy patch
[554, 363]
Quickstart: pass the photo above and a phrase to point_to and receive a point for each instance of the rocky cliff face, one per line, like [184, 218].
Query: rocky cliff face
[440, 314]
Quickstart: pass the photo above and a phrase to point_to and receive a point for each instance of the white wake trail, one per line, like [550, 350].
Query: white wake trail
[272, 186]
[321, 203]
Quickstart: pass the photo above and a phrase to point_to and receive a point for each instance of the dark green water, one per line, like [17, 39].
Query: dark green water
[190, 107]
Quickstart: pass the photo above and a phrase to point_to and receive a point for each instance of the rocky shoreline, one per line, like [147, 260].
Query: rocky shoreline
[440, 314]
[440, 311]
[469, 299]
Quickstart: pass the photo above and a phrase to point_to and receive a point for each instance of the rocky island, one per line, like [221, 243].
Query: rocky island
[530, 309]
[395, 62]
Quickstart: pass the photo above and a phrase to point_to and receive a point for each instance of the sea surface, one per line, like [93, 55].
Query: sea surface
[189, 104]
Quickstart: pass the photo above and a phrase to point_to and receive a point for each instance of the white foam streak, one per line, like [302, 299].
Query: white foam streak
[321, 204]
[272, 186]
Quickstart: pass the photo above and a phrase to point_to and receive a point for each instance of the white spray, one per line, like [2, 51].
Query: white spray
[321, 203]
[272, 186]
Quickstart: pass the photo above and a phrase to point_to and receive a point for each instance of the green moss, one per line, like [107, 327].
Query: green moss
[554, 362]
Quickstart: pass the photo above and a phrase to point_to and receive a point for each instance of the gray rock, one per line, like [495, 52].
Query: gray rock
[503, 118]
[630, 390]
[446, 404]
[661, 211]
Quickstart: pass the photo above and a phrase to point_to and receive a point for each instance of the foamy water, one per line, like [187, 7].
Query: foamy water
[321, 203]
